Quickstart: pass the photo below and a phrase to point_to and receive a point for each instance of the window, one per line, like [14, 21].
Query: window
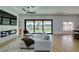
[0, 20]
[6, 21]
[30, 27]
[65, 26]
[68, 26]
[13, 21]
[47, 26]
[39, 25]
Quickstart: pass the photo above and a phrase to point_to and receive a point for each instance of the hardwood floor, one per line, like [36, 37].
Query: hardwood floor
[13, 45]
[60, 43]
[7, 42]
[65, 43]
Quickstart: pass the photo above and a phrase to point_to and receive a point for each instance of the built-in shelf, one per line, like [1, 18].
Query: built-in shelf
[7, 18]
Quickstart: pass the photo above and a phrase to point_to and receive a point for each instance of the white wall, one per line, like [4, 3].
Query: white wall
[57, 21]
[8, 27]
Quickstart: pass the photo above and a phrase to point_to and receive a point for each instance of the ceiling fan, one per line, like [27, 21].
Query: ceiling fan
[28, 10]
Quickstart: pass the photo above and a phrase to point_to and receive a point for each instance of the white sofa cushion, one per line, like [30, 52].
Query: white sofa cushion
[41, 37]
[44, 45]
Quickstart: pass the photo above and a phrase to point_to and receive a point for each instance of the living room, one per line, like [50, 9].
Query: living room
[61, 21]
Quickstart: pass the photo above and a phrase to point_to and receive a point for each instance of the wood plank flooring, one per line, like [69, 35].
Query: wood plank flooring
[60, 43]
[65, 43]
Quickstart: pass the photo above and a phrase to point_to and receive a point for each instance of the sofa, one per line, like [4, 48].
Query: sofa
[42, 42]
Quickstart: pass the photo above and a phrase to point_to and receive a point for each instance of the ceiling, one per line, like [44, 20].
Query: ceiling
[48, 9]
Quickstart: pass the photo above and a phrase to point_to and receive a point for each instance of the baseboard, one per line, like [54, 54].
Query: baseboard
[42, 51]
[26, 48]
[62, 34]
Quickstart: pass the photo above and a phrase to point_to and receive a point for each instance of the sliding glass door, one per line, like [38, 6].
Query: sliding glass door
[30, 26]
[47, 26]
[39, 25]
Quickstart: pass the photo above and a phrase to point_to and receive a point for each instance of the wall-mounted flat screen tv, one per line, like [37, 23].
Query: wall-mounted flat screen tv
[6, 21]
[13, 22]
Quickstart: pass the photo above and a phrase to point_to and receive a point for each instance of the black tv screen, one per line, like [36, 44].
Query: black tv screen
[13, 21]
[6, 21]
